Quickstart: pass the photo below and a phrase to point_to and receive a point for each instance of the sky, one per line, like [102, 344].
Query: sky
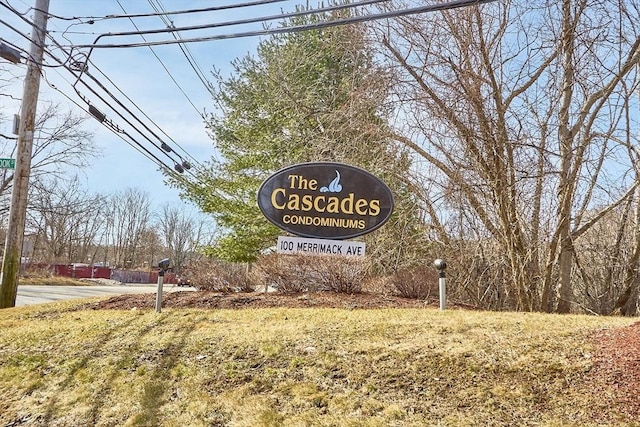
[141, 77]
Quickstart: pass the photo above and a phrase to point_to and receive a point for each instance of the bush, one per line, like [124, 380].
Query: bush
[311, 273]
[343, 274]
[418, 282]
[37, 271]
[219, 276]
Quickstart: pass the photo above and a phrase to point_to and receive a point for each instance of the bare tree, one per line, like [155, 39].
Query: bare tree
[515, 112]
[65, 220]
[151, 248]
[60, 143]
[129, 217]
[182, 235]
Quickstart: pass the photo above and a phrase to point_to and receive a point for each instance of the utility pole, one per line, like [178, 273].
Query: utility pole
[18, 210]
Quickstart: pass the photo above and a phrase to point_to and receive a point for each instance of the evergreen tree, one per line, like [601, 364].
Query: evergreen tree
[307, 96]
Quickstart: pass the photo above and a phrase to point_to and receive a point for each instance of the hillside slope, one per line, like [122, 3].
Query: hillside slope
[72, 364]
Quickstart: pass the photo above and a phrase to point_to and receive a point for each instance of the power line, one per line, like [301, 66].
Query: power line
[318, 25]
[172, 78]
[163, 65]
[164, 148]
[184, 48]
[261, 19]
[144, 114]
[170, 29]
[26, 37]
[176, 12]
[112, 126]
[90, 109]
[251, 21]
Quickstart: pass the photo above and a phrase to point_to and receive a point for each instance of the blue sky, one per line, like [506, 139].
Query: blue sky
[138, 73]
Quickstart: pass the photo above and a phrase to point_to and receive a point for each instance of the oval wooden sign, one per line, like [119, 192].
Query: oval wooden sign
[325, 200]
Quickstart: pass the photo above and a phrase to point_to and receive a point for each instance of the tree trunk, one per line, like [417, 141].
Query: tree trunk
[565, 184]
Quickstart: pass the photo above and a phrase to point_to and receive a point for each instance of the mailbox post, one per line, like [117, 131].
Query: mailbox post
[164, 266]
[441, 265]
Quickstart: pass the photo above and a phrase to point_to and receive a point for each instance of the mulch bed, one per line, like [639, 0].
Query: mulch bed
[205, 299]
[617, 367]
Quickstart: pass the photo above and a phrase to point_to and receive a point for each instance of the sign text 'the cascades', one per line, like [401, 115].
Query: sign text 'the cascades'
[325, 200]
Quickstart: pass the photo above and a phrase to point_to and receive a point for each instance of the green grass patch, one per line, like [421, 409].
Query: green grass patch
[297, 367]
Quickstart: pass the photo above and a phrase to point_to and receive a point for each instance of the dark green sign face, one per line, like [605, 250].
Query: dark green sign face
[7, 163]
[325, 200]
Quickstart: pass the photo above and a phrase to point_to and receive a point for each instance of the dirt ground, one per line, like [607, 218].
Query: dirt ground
[617, 352]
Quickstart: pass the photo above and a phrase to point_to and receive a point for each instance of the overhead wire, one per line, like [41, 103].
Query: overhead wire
[266, 31]
[177, 12]
[187, 54]
[145, 115]
[253, 20]
[166, 69]
[237, 22]
[193, 62]
[115, 129]
[109, 125]
[164, 147]
[299, 13]
[104, 121]
[184, 48]
[94, 19]
[26, 37]
[82, 70]
[174, 81]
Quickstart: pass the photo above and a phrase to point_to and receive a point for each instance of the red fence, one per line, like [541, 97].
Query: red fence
[135, 276]
[81, 271]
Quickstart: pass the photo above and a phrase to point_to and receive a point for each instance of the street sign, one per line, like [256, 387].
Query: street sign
[294, 245]
[7, 163]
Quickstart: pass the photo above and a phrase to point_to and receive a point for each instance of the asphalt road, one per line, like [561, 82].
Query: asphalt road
[28, 295]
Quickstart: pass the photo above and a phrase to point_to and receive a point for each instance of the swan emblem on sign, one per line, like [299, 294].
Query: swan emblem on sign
[334, 186]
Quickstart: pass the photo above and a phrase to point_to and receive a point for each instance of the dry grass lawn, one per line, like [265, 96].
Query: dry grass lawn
[298, 367]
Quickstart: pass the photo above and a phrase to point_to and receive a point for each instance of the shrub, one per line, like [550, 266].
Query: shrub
[220, 276]
[343, 274]
[311, 273]
[37, 271]
[419, 282]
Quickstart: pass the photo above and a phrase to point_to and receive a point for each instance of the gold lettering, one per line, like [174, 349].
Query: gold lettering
[347, 204]
[294, 202]
[274, 201]
[333, 205]
[307, 203]
[299, 182]
[361, 207]
[316, 203]
[374, 207]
